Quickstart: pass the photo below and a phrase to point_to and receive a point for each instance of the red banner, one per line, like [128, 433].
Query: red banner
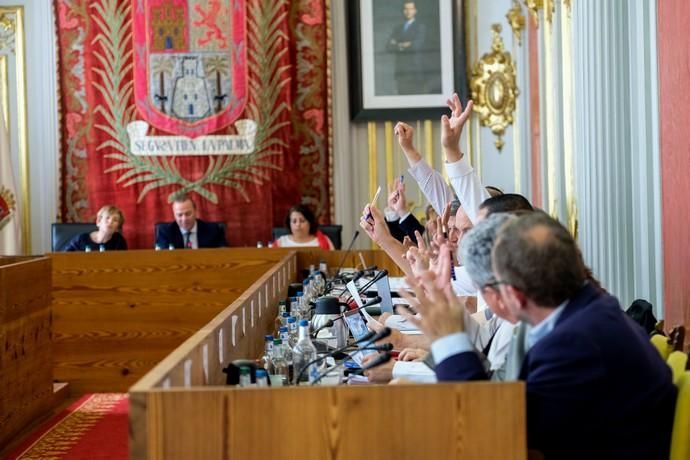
[285, 94]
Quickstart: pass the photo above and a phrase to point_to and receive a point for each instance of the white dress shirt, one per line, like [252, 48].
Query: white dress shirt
[193, 238]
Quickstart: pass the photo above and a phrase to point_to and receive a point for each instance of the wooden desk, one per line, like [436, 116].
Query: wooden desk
[180, 409]
[26, 365]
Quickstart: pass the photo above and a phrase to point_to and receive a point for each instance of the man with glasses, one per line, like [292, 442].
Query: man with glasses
[596, 388]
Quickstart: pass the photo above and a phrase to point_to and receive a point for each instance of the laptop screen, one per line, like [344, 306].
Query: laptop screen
[384, 290]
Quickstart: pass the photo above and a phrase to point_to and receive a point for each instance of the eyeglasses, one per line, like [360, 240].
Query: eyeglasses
[493, 284]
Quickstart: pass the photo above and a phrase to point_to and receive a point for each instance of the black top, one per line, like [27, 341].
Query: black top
[80, 242]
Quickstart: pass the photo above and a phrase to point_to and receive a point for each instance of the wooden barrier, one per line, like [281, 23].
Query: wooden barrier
[26, 365]
[178, 410]
[117, 314]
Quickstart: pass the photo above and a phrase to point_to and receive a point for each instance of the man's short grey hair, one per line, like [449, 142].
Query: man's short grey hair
[477, 245]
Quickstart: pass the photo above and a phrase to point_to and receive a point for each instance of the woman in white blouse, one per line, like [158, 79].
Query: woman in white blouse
[303, 230]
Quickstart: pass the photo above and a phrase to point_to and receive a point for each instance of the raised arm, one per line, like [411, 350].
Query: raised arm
[462, 176]
[430, 181]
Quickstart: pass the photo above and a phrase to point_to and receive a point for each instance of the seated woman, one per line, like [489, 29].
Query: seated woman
[109, 221]
[303, 230]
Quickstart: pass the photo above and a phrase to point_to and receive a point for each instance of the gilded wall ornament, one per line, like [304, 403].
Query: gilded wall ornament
[516, 20]
[493, 87]
[533, 6]
[7, 31]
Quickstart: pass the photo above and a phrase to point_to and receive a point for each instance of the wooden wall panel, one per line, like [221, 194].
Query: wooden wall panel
[673, 17]
[450, 421]
[26, 367]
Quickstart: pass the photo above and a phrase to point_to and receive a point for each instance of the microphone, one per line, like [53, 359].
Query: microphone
[377, 277]
[328, 324]
[383, 347]
[368, 338]
[383, 358]
[370, 303]
[347, 252]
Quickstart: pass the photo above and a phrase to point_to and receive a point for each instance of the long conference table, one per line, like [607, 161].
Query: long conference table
[161, 325]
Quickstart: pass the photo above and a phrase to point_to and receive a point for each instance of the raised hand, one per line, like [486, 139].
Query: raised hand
[405, 135]
[441, 312]
[396, 198]
[451, 127]
[374, 224]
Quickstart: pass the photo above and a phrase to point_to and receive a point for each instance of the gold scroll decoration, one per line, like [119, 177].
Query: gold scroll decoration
[533, 6]
[494, 89]
[516, 20]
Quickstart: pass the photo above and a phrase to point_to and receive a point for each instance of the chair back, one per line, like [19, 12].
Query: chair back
[333, 232]
[61, 234]
[680, 437]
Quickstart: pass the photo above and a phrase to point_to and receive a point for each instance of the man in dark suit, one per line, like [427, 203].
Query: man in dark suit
[406, 42]
[187, 231]
[596, 388]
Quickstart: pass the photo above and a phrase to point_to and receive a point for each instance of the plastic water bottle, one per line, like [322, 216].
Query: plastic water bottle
[245, 377]
[268, 354]
[87, 248]
[157, 247]
[293, 333]
[282, 308]
[261, 378]
[101, 247]
[287, 352]
[171, 247]
[280, 366]
[303, 353]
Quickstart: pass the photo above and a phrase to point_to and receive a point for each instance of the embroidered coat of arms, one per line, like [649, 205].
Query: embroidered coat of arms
[190, 64]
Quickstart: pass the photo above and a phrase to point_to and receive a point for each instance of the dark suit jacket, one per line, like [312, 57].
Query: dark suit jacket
[405, 228]
[209, 235]
[596, 388]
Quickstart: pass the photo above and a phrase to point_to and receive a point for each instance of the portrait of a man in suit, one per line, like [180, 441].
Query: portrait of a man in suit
[407, 46]
[407, 43]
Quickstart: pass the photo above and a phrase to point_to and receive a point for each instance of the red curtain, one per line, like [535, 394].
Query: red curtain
[287, 44]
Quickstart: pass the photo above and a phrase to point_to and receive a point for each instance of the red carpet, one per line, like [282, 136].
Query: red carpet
[94, 427]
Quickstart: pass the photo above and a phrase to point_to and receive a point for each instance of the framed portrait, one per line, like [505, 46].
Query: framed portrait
[406, 57]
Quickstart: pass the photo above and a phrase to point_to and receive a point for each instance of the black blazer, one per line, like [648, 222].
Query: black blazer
[80, 242]
[407, 227]
[596, 387]
[209, 235]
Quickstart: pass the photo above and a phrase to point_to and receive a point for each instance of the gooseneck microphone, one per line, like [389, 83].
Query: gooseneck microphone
[382, 334]
[376, 277]
[383, 358]
[369, 338]
[347, 252]
[328, 324]
[370, 303]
